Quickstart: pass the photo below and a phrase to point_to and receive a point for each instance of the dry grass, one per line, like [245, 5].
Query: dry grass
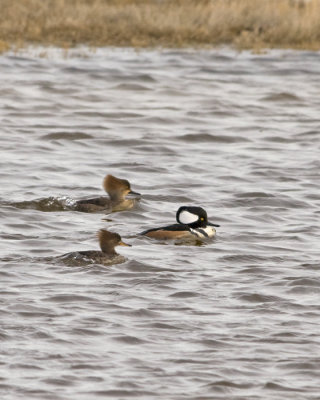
[252, 24]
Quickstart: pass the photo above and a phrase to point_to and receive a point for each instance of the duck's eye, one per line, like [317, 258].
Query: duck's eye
[201, 219]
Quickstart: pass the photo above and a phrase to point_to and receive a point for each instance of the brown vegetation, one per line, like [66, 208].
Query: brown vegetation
[251, 24]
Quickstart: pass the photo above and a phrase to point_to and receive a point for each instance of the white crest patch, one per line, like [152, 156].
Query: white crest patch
[186, 217]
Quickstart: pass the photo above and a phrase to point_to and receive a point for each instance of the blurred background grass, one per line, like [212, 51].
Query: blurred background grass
[244, 24]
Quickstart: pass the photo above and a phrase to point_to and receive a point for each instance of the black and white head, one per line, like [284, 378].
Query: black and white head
[194, 217]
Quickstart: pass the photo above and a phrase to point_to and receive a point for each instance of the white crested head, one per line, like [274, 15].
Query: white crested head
[187, 217]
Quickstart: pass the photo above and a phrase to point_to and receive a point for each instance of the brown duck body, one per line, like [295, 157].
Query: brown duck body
[170, 232]
[107, 256]
[117, 189]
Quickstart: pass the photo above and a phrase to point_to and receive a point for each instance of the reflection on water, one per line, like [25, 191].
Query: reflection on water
[236, 317]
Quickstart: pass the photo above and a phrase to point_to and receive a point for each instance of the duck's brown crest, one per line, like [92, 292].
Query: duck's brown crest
[115, 187]
[108, 240]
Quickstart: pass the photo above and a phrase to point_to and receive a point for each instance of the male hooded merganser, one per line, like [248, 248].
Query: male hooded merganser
[192, 223]
[107, 256]
[118, 189]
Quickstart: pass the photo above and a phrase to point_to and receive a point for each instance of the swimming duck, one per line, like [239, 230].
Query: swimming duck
[107, 256]
[118, 190]
[192, 223]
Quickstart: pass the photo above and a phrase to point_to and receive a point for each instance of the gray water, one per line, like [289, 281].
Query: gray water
[236, 317]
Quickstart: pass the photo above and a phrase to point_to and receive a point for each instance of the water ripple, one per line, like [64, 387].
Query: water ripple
[235, 317]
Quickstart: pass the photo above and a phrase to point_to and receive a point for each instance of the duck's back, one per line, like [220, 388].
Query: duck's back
[93, 205]
[78, 258]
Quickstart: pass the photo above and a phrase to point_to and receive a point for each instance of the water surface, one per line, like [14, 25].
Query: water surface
[234, 318]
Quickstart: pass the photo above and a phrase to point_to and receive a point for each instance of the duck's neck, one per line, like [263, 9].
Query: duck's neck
[196, 225]
[108, 250]
[111, 253]
[116, 196]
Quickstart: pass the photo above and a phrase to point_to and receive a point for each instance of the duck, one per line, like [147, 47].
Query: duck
[121, 197]
[192, 222]
[107, 256]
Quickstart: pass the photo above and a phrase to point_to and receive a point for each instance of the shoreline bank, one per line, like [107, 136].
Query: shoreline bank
[241, 24]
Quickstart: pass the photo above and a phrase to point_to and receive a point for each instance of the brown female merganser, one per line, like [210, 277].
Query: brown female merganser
[118, 190]
[107, 256]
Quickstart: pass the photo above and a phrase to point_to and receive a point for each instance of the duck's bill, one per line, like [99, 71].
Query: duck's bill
[124, 244]
[216, 225]
[133, 195]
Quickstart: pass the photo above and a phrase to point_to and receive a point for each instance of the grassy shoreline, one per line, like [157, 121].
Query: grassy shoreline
[243, 24]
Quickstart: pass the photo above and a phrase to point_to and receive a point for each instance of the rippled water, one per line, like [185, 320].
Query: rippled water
[235, 318]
